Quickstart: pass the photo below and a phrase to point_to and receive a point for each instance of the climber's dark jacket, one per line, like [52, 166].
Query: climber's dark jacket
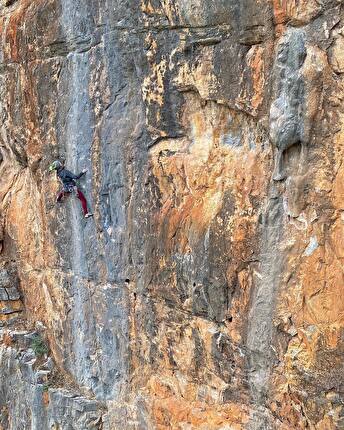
[68, 179]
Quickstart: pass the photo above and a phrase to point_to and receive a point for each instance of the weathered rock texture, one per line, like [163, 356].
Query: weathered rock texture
[207, 291]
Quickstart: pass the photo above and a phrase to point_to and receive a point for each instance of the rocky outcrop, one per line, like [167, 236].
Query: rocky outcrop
[11, 305]
[27, 401]
[205, 293]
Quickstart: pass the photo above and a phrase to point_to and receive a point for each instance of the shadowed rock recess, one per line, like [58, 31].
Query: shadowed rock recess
[207, 290]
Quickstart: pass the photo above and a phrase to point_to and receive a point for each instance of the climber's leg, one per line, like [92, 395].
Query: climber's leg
[82, 198]
[60, 196]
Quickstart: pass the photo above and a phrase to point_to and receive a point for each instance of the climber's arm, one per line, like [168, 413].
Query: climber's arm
[72, 176]
[81, 174]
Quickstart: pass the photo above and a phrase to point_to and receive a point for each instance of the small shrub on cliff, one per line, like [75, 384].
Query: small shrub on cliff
[38, 346]
[46, 387]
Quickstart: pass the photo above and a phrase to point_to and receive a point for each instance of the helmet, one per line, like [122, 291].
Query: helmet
[55, 165]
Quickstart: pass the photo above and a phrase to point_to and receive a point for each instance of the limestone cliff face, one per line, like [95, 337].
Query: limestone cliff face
[207, 290]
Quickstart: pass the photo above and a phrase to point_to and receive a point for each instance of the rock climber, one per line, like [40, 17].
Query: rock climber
[68, 180]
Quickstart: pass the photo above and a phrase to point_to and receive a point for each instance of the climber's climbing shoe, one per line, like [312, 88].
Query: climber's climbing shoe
[88, 215]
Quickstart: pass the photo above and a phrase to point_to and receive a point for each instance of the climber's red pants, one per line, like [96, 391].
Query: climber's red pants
[80, 196]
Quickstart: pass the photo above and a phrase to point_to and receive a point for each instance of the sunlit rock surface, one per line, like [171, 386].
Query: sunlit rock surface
[207, 290]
